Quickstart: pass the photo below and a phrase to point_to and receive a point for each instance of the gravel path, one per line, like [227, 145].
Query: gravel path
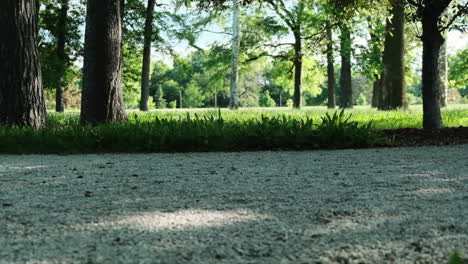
[407, 205]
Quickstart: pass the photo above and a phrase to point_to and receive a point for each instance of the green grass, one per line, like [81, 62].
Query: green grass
[219, 130]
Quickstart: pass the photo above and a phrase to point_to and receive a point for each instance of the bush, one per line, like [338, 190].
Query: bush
[172, 104]
[362, 100]
[266, 100]
[289, 103]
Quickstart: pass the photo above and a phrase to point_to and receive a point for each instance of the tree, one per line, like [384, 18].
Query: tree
[159, 101]
[193, 96]
[443, 73]
[61, 55]
[60, 46]
[429, 12]
[234, 100]
[345, 76]
[145, 72]
[458, 75]
[102, 94]
[393, 89]
[330, 68]
[21, 94]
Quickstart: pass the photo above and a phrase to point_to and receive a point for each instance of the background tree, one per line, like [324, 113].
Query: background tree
[234, 99]
[429, 13]
[145, 71]
[21, 94]
[102, 94]
[60, 39]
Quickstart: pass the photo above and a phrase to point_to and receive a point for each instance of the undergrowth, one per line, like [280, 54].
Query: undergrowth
[192, 132]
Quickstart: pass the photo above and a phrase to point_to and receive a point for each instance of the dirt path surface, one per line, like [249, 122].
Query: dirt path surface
[398, 205]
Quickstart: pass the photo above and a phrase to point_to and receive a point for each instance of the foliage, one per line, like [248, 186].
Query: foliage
[208, 130]
[456, 258]
[159, 100]
[362, 100]
[172, 104]
[192, 96]
[458, 71]
[266, 100]
[209, 133]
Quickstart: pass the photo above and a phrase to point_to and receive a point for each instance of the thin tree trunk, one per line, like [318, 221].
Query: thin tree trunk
[234, 100]
[443, 74]
[102, 93]
[61, 55]
[393, 94]
[21, 93]
[345, 78]
[297, 100]
[432, 42]
[330, 69]
[376, 44]
[145, 71]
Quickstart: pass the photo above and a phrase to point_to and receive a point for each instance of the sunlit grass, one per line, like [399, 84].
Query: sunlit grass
[221, 130]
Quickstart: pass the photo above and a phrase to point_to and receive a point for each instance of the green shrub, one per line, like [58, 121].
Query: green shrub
[289, 103]
[266, 100]
[172, 104]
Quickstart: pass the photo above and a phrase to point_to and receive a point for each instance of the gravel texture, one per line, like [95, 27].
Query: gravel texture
[398, 205]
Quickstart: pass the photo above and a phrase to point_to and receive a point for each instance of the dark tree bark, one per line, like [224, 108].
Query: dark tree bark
[297, 100]
[443, 74]
[376, 91]
[345, 78]
[21, 93]
[393, 92]
[102, 93]
[432, 42]
[376, 43]
[330, 69]
[61, 55]
[145, 71]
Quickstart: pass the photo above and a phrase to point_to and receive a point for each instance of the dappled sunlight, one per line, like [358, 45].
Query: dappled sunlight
[179, 220]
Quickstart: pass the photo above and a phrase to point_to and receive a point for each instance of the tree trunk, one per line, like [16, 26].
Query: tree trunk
[145, 71]
[61, 55]
[393, 94]
[376, 91]
[102, 93]
[432, 42]
[345, 78]
[234, 100]
[330, 69]
[21, 93]
[443, 74]
[297, 62]
[376, 44]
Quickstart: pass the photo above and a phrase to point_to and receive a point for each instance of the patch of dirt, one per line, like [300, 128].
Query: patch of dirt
[421, 137]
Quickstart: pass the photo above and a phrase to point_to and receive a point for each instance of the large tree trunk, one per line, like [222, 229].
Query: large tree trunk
[443, 74]
[21, 94]
[330, 68]
[234, 100]
[102, 93]
[61, 55]
[345, 78]
[297, 100]
[432, 42]
[145, 71]
[393, 93]
[376, 91]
